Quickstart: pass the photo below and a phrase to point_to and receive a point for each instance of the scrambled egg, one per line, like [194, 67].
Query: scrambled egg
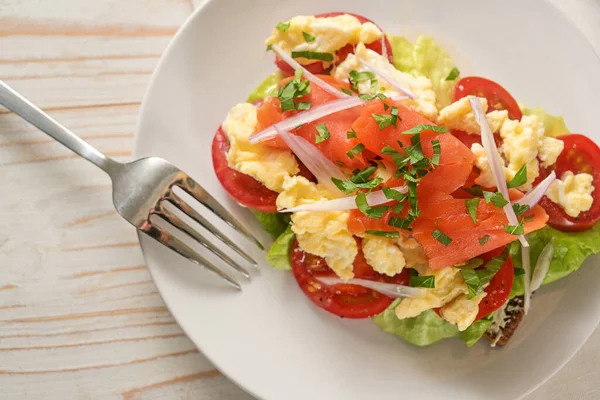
[421, 86]
[462, 311]
[449, 284]
[330, 34]
[459, 116]
[267, 165]
[522, 143]
[413, 253]
[324, 234]
[383, 255]
[573, 193]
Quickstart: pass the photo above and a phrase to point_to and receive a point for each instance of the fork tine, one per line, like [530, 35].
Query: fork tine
[170, 241]
[193, 189]
[185, 228]
[193, 214]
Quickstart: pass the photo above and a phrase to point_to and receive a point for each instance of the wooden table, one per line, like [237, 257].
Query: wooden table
[79, 314]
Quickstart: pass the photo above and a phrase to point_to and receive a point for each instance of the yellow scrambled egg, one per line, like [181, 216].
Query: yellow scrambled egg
[449, 284]
[573, 193]
[383, 255]
[459, 116]
[267, 165]
[461, 311]
[324, 234]
[329, 34]
[421, 86]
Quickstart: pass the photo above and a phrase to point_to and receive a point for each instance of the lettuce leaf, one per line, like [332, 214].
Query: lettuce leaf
[266, 87]
[279, 253]
[426, 58]
[553, 126]
[570, 251]
[273, 223]
[428, 328]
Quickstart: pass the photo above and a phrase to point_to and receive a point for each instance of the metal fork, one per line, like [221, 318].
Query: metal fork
[143, 190]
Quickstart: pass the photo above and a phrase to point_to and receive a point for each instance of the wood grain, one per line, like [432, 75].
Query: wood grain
[80, 317]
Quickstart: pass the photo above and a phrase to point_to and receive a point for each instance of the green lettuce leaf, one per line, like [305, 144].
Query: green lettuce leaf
[279, 253]
[553, 126]
[426, 58]
[273, 223]
[570, 251]
[266, 87]
[428, 328]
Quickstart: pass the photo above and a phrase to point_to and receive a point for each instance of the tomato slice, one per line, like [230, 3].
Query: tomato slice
[498, 98]
[580, 155]
[241, 187]
[317, 67]
[499, 287]
[343, 300]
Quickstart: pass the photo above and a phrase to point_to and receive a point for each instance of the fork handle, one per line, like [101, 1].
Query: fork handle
[12, 100]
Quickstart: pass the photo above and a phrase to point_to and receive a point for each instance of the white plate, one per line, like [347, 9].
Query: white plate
[269, 339]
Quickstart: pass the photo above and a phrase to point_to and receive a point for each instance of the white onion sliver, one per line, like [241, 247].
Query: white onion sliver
[315, 161]
[386, 77]
[389, 289]
[542, 266]
[526, 260]
[345, 203]
[384, 51]
[304, 117]
[536, 194]
[314, 79]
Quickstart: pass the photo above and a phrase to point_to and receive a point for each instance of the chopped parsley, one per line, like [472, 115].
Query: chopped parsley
[519, 179]
[351, 134]
[359, 148]
[474, 190]
[323, 133]
[520, 209]
[269, 47]
[313, 55]
[385, 120]
[425, 127]
[393, 194]
[472, 264]
[339, 163]
[398, 208]
[356, 77]
[515, 229]
[495, 198]
[346, 91]
[360, 180]
[454, 73]
[308, 37]
[484, 240]
[364, 207]
[400, 223]
[386, 234]
[472, 205]
[437, 148]
[283, 26]
[291, 90]
[477, 279]
[369, 97]
[427, 281]
[441, 237]
[519, 271]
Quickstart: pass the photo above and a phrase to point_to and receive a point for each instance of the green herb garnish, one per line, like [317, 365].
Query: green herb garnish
[371, 212]
[441, 237]
[520, 178]
[313, 55]
[323, 133]
[283, 26]
[427, 281]
[495, 198]
[308, 37]
[454, 73]
[425, 127]
[472, 205]
[484, 240]
[386, 234]
[359, 148]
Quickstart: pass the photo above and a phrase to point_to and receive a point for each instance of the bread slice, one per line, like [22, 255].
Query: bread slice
[505, 322]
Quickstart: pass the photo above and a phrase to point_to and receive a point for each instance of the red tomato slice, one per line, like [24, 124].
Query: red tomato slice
[498, 98]
[499, 287]
[241, 187]
[338, 145]
[448, 214]
[317, 67]
[347, 301]
[580, 155]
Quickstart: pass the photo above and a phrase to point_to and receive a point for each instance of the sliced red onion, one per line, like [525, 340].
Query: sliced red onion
[304, 117]
[542, 266]
[491, 151]
[315, 161]
[388, 289]
[536, 194]
[384, 52]
[386, 77]
[311, 77]
[345, 203]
